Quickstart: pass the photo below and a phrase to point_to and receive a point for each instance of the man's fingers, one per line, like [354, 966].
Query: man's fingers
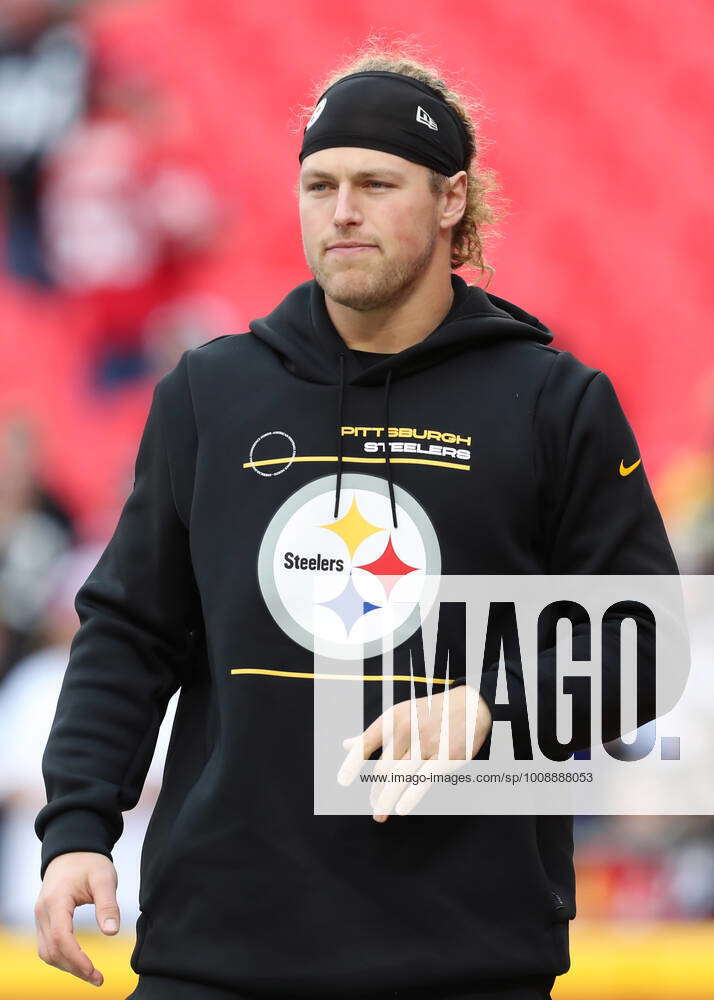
[394, 750]
[400, 756]
[391, 791]
[352, 762]
[361, 749]
[416, 792]
[106, 910]
[386, 758]
[60, 946]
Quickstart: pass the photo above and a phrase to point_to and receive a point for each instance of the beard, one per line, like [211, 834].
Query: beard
[371, 284]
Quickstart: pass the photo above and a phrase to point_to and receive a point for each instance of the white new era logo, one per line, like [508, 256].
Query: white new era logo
[316, 113]
[425, 119]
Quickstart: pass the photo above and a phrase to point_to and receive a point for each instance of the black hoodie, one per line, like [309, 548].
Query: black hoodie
[504, 459]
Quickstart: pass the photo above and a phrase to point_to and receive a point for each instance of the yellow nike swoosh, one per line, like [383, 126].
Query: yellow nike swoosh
[626, 470]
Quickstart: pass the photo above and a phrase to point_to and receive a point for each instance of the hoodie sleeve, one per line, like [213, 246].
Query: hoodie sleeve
[139, 614]
[596, 513]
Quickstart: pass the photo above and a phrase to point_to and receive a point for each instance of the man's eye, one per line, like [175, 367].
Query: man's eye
[322, 184]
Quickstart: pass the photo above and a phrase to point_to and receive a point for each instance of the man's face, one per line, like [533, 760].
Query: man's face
[370, 197]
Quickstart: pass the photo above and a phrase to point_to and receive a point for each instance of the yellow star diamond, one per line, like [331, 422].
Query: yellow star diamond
[353, 528]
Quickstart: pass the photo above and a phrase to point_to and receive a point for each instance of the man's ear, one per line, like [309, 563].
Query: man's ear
[455, 200]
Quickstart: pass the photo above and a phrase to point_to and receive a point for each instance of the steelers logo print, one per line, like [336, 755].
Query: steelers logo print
[349, 586]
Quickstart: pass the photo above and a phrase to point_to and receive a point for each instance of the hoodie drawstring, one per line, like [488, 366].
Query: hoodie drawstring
[340, 407]
[339, 434]
[387, 384]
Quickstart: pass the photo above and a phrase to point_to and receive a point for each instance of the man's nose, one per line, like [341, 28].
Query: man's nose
[346, 207]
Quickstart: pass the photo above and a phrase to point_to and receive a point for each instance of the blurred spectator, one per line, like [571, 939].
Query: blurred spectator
[43, 84]
[102, 202]
[686, 490]
[184, 323]
[691, 863]
[34, 531]
[125, 215]
[28, 700]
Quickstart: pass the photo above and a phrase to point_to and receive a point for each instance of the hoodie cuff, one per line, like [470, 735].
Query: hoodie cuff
[489, 681]
[74, 830]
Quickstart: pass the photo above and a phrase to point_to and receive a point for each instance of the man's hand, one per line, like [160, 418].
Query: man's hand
[428, 758]
[70, 880]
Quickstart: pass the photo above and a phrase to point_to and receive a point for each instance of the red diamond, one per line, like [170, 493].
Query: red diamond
[389, 568]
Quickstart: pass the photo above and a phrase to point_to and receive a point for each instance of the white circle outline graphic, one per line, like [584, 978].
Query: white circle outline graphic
[289, 461]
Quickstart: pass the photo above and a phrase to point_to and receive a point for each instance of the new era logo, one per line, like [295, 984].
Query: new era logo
[316, 113]
[425, 119]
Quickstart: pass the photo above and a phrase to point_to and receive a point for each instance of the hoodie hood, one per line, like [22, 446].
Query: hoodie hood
[301, 331]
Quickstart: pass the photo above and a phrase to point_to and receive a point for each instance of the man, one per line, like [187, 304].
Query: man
[464, 444]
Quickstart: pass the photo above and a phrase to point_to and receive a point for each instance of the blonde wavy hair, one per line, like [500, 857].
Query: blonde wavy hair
[483, 207]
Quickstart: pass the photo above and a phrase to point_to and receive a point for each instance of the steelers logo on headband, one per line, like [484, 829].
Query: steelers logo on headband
[378, 109]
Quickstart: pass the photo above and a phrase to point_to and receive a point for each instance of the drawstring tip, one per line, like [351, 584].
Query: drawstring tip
[394, 510]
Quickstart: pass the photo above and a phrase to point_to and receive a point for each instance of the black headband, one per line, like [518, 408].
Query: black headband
[378, 109]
